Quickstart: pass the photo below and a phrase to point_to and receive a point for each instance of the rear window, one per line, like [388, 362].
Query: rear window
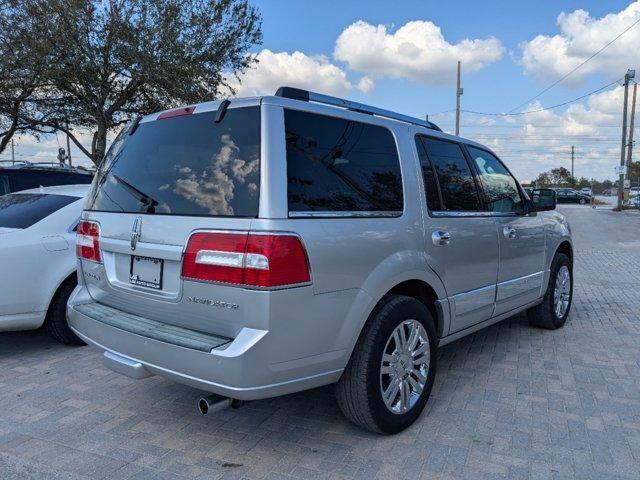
[186, 165]
[337, 165]
[26, 179]
[21, 210]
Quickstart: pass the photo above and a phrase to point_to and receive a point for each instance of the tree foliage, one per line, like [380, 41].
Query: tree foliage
[108, 61]
[556, 177]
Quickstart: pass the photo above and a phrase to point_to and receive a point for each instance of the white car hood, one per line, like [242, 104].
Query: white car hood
[8, 230]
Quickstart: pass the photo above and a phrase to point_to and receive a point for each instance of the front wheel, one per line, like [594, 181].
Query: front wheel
[554, 309]
[389, 377]
[582, 201]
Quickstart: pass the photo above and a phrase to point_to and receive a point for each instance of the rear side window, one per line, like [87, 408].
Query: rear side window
[4, 185]
[21, 210]
[338, 165]
[429, 177]
[457, 186]
[184, 165]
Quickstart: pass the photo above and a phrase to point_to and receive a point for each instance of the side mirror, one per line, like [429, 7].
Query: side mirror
[543, 199]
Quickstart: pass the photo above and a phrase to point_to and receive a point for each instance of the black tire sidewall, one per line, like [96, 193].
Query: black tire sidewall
[559, 261]
[387, 421]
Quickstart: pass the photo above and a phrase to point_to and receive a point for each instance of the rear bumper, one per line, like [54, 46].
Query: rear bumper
[241, 369]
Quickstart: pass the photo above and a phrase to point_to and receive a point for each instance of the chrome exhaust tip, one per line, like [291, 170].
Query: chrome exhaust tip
[215, 403]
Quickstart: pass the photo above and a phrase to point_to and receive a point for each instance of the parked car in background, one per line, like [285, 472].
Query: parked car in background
[37, 258]
[586, 191]
[262, 246]
[17, 176]
[569, 195]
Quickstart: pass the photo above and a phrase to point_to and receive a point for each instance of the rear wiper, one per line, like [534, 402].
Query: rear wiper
[148, 202]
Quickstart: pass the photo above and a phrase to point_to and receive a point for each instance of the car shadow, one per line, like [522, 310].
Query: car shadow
[27, 343]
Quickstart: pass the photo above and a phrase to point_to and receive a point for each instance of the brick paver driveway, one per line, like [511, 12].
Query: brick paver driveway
[509, 402]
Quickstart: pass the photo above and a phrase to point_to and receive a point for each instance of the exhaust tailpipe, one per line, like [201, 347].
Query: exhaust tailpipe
[215, 403]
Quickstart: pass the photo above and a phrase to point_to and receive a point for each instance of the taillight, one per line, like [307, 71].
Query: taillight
[88, 241]
[246, 259]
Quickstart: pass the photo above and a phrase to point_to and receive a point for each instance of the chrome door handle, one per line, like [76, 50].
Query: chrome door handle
[440, 238]
[509, 232]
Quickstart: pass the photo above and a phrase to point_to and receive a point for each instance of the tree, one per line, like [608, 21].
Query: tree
[110, 61]
[22, 65]
[556, 177]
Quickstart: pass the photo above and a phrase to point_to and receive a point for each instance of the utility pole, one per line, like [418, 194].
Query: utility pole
[13, 154]
[68, 145]
[573, 178]
[633, 115]
[628, 76]
[458, 95]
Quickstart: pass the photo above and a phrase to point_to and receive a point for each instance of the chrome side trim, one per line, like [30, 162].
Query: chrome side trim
[519, 286]
[467, 302]
[479, 326]
[314, 214]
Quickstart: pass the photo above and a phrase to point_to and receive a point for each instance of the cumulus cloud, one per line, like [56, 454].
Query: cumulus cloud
[297, 69]
[214, 188]
[582, 35]
[542, 139]
[417, 51]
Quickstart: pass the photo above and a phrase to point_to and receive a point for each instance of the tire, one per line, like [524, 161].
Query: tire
[359, 391]
[55, 322]
[583, 201]
[545, 314]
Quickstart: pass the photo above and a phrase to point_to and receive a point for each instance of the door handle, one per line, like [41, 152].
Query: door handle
[509, 232]
[440, 238]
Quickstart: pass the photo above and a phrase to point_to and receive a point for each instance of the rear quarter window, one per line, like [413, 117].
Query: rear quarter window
[22, 210]
[337, 165]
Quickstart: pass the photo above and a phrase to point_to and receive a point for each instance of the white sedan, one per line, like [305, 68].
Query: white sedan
[38, 258]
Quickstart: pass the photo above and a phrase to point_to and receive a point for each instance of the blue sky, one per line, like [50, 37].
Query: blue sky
[313, 27]
[402, 56]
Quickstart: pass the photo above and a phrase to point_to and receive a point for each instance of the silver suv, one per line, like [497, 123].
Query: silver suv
[268, 245]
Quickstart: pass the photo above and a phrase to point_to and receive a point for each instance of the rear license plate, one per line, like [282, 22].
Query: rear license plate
[146, 272]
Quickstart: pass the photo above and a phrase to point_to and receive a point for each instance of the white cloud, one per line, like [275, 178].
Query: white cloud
[545, 138]
[297, 69]
[417, 51]
[580, 37]
[365, 84]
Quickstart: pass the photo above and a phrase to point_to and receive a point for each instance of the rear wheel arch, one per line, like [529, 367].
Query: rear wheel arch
[71, 277]
[423, 292]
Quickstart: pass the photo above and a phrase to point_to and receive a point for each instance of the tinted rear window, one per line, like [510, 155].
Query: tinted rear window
[21, 210]
[26, 179]
[187, 165]
[337, 165]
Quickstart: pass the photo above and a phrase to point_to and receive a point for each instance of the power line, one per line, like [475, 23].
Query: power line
[508, 114]
[561, 79]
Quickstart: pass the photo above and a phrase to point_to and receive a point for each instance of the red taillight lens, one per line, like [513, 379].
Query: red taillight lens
[88, 241]
[248, 259]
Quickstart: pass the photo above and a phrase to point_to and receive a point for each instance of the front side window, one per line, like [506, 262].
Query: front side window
[457, 186]
[185, 165]
[21, 210]
[338, 165]
[500, 188]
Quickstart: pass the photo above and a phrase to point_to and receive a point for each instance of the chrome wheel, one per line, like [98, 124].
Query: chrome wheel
[562, 291]
[405, 366]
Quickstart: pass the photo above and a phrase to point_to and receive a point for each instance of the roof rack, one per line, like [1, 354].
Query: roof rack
[307, 96]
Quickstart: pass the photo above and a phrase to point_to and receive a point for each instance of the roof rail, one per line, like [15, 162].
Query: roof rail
[307, 96]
